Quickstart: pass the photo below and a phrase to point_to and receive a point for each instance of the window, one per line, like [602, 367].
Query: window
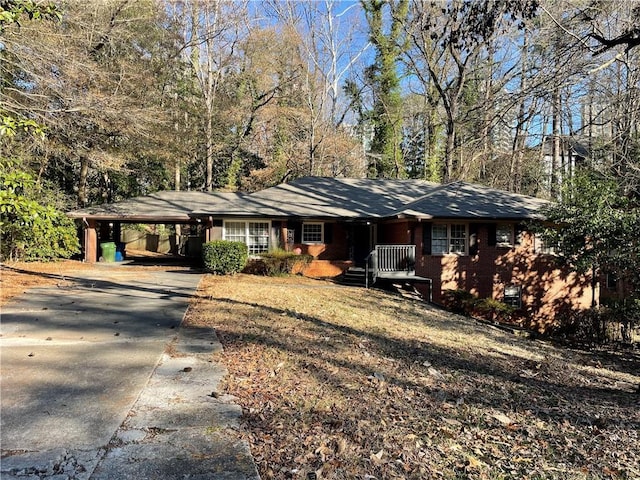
[612, 282]
[458, 239]
[255, 235]
[439, 240]
[504, 235]
[258, 237]
[513, 295]
[544, 247]
[448, 239]
[235, 232]
[312, 232]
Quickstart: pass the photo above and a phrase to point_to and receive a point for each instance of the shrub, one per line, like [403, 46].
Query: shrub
[459, 301]
[30, 230]
[584, 326]
[622, 317]
[222, 257]
[615, 320]
[280, 262]
[284, 263]
[492, 309]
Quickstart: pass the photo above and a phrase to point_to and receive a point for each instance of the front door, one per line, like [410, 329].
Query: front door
[361, 243]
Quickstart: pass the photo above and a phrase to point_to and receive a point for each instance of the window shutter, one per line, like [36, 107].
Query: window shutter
[328, 233]
[519, 233]
[491, 229]
[276, 233]
[296, 227]
[426, 238]
[473, 239]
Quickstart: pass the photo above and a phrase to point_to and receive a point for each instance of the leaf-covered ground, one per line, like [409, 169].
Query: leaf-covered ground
[349, 383]
[18, 277]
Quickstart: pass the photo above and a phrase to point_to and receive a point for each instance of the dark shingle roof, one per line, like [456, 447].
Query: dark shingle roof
[469, 201]
[167, 206]
[321, 197]
[328, 198]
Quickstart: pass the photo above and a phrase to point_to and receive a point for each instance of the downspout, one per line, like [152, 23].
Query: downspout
[594, 282]
[430, 280]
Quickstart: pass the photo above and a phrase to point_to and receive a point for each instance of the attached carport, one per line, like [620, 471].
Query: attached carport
[104, 222]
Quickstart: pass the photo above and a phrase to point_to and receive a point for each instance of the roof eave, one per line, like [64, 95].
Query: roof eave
[132, 218]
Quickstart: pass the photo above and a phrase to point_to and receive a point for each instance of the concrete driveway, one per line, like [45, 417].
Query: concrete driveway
[99, 380]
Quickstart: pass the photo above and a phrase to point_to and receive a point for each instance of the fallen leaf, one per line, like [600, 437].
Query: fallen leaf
[502, 418]
[452, 421]
[377, 457]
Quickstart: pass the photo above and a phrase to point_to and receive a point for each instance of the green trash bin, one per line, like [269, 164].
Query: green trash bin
[108, 251]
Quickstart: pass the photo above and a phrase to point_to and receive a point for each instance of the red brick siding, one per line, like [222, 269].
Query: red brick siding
[548, 292]
[397, 233]
[338, 249]
[325, 268]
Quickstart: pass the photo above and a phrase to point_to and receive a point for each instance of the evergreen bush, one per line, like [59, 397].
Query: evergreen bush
[280, 262]
[223, 257]
[459, 301]
[30, 230]
[492, 309]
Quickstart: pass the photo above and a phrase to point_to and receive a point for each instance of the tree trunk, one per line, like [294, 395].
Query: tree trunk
[450, 147]
[83, 196]
[209, 135]
[515, 173]
[555, 146]
[487, 114]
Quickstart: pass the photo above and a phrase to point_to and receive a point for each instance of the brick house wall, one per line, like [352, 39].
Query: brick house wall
[395, 233]
[548, 293]
[331, 257]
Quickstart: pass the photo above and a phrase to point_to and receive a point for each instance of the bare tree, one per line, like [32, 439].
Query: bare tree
[326, 32]
[85, 78]
[211, 33]
[448, 41]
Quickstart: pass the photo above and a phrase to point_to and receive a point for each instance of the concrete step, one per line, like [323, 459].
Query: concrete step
[355, 276]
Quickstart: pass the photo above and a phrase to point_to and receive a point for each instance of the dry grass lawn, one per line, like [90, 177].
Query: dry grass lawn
[347, 383]
[354, 384]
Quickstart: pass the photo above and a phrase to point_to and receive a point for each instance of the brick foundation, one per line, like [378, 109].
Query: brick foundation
[325, 268]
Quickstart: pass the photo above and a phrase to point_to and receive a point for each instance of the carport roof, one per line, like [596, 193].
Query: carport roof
[168, 206]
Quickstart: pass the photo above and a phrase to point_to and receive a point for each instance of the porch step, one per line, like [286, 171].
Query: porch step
[354, 276]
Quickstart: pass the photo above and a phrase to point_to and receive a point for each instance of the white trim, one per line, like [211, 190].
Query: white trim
[247, 222]
[449, 252]
[302, 240]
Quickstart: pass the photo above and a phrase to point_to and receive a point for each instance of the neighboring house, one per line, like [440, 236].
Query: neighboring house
[573, 152]
[455, 236]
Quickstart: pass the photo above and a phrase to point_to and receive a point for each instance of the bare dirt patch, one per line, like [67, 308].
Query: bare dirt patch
[347, 383]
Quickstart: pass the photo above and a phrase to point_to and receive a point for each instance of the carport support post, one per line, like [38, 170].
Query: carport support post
[117, 232]
[90, 241]
[208, 232]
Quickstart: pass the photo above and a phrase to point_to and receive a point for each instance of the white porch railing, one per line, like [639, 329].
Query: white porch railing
[396, 258]
[388, 259]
